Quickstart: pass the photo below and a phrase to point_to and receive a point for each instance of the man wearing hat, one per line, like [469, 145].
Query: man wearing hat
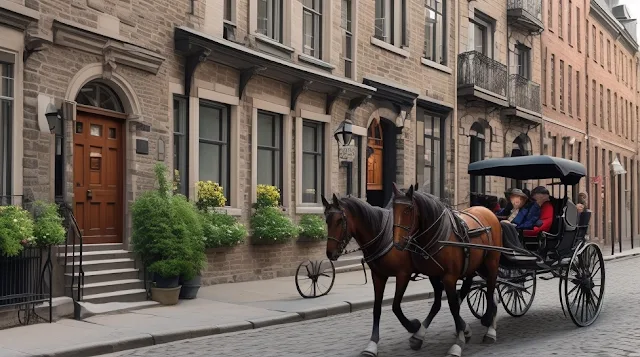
[518, 199]
[541, 197]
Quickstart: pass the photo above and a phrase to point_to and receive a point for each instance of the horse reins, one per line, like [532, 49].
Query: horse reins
[344, 240]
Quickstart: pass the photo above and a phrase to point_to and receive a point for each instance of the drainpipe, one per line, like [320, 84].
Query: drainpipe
[456, 123]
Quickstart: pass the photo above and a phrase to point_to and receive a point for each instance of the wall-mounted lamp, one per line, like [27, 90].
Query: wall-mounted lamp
[617, 168]
[53, 115]
[344, 132]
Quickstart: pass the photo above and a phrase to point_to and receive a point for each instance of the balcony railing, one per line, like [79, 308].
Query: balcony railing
[532, 7]
[476, 69]
[524, 93]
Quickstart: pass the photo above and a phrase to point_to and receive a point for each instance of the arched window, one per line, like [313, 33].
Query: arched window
[97, 94]
[477, 153]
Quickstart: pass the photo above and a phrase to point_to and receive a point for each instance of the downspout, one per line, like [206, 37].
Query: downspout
[454, 134]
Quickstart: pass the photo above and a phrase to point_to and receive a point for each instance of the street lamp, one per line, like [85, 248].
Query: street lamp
[616, 170]
[53, 115]
[344, 132]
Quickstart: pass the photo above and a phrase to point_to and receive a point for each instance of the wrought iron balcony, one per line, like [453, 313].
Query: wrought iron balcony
[482, 77]
[524, 99]
[526, 14]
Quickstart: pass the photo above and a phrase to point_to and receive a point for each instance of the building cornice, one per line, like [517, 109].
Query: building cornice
[17, 16]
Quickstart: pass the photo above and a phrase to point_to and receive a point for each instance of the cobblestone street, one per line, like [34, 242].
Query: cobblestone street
[543, 331]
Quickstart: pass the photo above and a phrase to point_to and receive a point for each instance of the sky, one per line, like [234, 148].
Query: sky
[634, 10]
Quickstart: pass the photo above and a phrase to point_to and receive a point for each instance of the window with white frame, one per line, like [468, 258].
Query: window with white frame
[390, 22]
[6, 121]
[270, 18]
[312, 28]
[434, 33]
[430, 153]
[180, 144]
[228, 10]
[347, 40]
[270, 168]
[229, 27]
[482, 35]
[313, 156]
[214, 145]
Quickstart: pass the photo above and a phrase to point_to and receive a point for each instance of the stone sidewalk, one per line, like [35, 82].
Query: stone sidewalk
[219, 309]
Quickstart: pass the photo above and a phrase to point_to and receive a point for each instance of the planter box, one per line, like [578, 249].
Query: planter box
[304, 239]
[261, 242]
[166, 296]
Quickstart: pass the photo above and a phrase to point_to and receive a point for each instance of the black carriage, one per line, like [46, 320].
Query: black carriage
[564, 252]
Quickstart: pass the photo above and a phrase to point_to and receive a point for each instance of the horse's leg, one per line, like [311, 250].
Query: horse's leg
[449, 282]
[379, 283]
[402, 281]
[489, 318]
[418, 338]
[465, 288]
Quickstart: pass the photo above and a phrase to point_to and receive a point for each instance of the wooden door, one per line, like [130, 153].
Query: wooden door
[374, 161]
[97, 177]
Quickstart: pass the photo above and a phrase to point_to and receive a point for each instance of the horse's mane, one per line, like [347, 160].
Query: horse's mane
[372, 216]
[431, 208]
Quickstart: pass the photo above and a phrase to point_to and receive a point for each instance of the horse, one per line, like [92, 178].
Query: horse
[372, 228]
[426, 227]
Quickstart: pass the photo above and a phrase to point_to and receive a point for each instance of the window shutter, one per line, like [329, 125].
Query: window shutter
[405, 24]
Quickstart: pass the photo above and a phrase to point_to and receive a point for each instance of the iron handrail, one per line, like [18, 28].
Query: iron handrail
[524, 93]
[73, 233]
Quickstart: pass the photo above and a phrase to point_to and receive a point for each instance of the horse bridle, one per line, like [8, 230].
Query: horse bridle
[344, 240]
[411, 238]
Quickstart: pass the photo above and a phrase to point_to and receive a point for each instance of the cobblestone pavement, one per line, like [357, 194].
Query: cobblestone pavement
[543, 331]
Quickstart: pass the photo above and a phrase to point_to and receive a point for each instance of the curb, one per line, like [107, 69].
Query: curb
[148, 340]
[620, 256]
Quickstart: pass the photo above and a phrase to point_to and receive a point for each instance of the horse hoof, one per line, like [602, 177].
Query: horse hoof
[415, 326]
[415, 343]
[489, 340]
[368, 354]
[454, 351]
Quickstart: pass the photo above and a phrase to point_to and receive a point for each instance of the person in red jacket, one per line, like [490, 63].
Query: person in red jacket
[542, 198]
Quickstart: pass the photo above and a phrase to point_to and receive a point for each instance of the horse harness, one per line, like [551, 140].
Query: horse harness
[344, 240]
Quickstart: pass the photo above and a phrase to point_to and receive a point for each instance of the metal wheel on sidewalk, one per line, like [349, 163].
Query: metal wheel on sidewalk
[315, 278]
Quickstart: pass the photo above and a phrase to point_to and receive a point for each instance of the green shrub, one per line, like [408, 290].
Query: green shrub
[270, 225]
[210, 195]
[313, 227]
[267, 196]
[48, 229]
[16, 230]
[222, 230]
[167, 231]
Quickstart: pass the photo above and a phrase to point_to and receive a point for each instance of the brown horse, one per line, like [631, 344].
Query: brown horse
[426, 227]
[372, 228]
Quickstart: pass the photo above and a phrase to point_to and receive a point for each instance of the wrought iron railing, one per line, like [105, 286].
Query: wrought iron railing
[73, 254]
[26, 279]
[524, 93]
[476, 69]
[533, 7]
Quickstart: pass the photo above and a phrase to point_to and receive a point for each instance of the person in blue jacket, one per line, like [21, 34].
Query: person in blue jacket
[527, 217]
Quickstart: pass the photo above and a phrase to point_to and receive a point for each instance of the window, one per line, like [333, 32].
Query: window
[544, 77]
[615, 117]
[312, 161]
[270, 18]
[615, 61]
[228, 10]
[430, 155]
[594, 113]
[593, 39]
[560, 22]
[570, 89]
[434, 35]
[180, 144]
[214, 145]
[229, 17]
[561, 85]
[523, 61]
[609, 55]
[270, 168]
[578, 30]
[483, 35]
[347, 46]
[601, 106]
[601, 49]
[477, 151]
[570, 13]
[586, 37]
[312, 28]
[550, 14]
[586, 96]
[578, 100]
[6, 121]
[609, 109]
[553, 81]
[390, 22]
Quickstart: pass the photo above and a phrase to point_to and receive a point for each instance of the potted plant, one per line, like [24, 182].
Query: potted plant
[16, 230]
[166, 232]
[312, 228]
[48, 225]
[269, 224]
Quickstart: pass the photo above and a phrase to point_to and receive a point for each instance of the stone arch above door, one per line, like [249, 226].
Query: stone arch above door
[521, 146]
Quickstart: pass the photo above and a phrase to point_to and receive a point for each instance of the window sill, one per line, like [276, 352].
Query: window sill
[274, 45]
[316, 62]
[309, 210]
[389, 47]
[436, 65]
[236, 212]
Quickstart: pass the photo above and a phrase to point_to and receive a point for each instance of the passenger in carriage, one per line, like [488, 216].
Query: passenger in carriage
[541, 197]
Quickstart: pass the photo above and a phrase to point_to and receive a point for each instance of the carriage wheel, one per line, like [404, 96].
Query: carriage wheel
[477, 300]
[584, 284]
[315, 279]
[517, 300]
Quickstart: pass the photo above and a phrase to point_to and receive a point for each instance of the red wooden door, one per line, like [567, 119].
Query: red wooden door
[97, 177]
[374, 162]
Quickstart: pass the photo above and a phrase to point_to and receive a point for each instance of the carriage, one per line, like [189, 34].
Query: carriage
[564, 252]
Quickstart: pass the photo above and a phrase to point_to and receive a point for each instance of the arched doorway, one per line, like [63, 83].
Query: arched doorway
[381, 161]
[98, 163]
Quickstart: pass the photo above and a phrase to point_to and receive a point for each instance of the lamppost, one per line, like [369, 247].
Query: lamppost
[344, 132]
[616, 170]
[344, 137]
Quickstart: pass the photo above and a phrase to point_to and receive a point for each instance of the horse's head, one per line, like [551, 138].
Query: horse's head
[338, 226]
[403, 215]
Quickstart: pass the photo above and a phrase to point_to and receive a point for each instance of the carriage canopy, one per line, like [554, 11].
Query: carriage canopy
[531, 168]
